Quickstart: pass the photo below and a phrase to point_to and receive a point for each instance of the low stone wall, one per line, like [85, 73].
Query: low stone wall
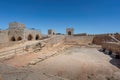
[55, 41]
[8, 44]
[102, 38]
[114, 47]
[79, 39]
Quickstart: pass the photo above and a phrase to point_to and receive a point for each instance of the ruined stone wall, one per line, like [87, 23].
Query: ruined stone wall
[3, 36]
[55, 41]
[79, 39]
[16, 34]
[114, 47]
[13, 25]
[33, 34]
[99, 39]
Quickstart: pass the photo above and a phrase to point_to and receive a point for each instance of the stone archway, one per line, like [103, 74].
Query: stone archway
[69, 33]
[37, 37]
[19, 38]
[13, 38]
[30, 37]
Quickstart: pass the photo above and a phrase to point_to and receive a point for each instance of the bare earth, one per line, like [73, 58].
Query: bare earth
[78, 63]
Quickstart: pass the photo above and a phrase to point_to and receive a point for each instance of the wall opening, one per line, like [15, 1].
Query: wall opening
[53, 33]
[110, 52]
[30, 37]
[37, 37]
[19, 39]
[13, 39]
[69, 32]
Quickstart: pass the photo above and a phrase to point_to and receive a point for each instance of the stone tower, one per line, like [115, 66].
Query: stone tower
[16, 25]
[69, 31]
[51, 32]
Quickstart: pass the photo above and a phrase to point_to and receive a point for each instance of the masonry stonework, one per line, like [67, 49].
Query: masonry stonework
[18, 32]
[51, 32]
[69, 31]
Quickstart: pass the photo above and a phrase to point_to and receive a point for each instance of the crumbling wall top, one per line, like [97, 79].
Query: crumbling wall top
[14, 25]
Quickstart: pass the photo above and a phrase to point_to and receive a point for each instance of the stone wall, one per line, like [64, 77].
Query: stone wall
[99, 39]
[79, 39]
[13, 25]
[55, 41]
[114, 47]
[3, 36]
[32, 35]
[16, 34]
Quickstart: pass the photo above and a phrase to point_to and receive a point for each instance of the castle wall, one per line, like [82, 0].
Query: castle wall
[16, 33]
[3, 36]
[79, 39]
[32, 34]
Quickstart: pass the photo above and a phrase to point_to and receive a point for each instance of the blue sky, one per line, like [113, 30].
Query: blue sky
[85, 16]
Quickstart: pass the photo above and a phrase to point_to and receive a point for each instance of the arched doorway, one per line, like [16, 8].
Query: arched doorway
[37, 37]
[19, 39]
[30, 37]
[13, 38]
[69, 32]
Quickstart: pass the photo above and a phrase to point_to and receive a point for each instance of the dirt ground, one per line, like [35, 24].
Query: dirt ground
[78, 63]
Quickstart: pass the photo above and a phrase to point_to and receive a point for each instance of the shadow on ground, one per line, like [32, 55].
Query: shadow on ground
[115, 62]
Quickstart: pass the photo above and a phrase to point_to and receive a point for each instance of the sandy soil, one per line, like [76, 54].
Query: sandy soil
[20, 60]
[78, 63]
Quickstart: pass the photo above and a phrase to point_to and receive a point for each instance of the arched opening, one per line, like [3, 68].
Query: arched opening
[53, 33]
[19, 39]
[69, 32]
[30, 37]
[110, 52]
[13, 39]
[37, 37]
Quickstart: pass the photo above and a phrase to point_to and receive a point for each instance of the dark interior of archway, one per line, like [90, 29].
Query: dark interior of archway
[13, 39]
[37, 37]
[30, 37]
[69, 33]
[19, 38]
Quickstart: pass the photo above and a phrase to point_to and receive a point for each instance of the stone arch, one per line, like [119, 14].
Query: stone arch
[53, 33]
[37, 37]
[19, 38]
[30, 37]
[69, 33]
[13, 38]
